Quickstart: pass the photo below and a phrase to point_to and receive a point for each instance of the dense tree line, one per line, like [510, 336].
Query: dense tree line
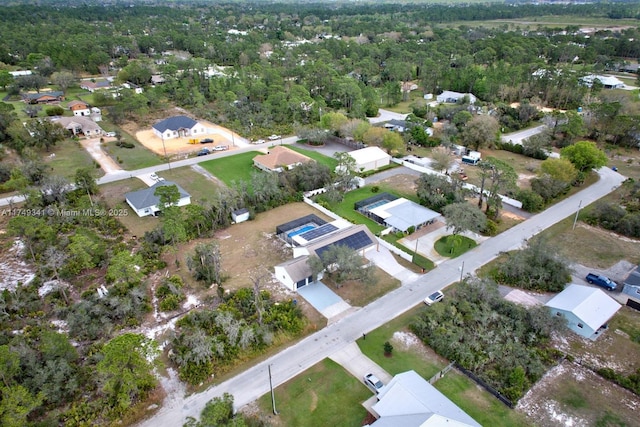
[622, 214]
[508, 348]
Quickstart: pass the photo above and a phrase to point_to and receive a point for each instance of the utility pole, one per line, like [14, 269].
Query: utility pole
[273, 396]
[165, 153]
[461, 271]
[576, 218]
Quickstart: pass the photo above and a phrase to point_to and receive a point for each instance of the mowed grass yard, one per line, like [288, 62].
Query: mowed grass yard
[69, 157]
[230, 169]
[323, 395]
[329, 162]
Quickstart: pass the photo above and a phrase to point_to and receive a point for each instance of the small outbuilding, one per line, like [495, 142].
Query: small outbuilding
[145, 202]
[240, 215]
[586, 309]
[370, 158]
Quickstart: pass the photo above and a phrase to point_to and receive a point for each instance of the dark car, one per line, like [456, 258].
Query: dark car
[206, 141]
[203, 152]
[603, 281]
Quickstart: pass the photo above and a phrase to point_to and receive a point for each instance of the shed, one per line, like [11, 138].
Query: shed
[586, 309]
[370, 158]
[240, 215]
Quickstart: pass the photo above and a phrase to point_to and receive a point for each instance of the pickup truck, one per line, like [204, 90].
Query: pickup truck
[603, 281]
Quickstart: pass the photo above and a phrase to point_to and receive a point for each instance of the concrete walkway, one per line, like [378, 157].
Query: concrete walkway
[384, 260]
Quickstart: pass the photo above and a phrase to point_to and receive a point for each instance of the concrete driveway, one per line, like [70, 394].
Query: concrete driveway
[323, 299]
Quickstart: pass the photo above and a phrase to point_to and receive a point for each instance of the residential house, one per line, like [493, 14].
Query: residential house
[311, 236]
[586, 309]
[279, 158]
[608, 82]
[179, 127]
[396, 213]
[43, 97]
[396, 125]
[145, 202]
[80, 126]
[410, 401]
[93, 86]
[79, 108]
[370, 158]
[631, 288]
[451, 97]
[21, 73]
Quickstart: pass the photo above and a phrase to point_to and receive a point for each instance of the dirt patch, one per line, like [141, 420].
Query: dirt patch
[181, 146]
[571, 395]
[402, 183]
[13, 269]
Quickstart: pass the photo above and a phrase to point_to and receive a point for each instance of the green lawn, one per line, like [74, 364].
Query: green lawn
[130, 158]
[447, 245]
[233, 168]
[200, 188]
[323, 395]
[70, 156]
[330, 162]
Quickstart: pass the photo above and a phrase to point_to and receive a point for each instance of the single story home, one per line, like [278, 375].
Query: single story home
[586, 309]
[43, 97]
[311, 236]
[21, 73]
[145, 202]
[631, 288]
[79, 108]
[178, 126]
[370, 158]
[450, 97]
[80, 125]
[608, 82]
[396, 213]
[93, 86]
[410, 401]
[396, 125]
[279, 158]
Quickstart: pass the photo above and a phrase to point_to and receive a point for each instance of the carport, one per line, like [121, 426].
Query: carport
[323, 299]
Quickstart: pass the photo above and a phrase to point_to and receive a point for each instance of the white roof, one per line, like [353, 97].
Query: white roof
[591, 305]
[402, 214]
[605, 80]
[368, 155]
[449, 94]
[409, 394]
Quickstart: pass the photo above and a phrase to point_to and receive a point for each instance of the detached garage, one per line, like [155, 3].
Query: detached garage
[586, 309]
[370, 158]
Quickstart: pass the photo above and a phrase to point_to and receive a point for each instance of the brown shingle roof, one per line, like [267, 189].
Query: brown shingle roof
[280, 156]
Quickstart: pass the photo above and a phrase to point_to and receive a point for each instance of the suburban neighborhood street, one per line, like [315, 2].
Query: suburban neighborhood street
[254, 382]
[520, 136]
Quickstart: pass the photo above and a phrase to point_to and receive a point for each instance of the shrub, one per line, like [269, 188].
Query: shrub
[490, 228]
[54, 111]
[388, 348]
[531, 201]
[375, 189]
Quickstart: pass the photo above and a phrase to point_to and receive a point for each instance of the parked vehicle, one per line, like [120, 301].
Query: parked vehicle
[373, 383]
[110, 134]
[220, 148]
[434, 297]
[260, 141]
[274, 137]
[203, 152]
[155, 177]
[603, 281]
[206, 141]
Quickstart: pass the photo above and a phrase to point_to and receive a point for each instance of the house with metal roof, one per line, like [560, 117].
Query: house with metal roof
[178, 127]
[586, 309]
[92, 86]
[145, 202]
[608, 82]
[370, 158]
[410, 401]
[451, 97]
[279, 158]
[395, 212]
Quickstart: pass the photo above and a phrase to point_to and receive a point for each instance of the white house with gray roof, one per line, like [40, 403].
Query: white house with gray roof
[145, 202]
[410, 401]
[179, 127]
[586, 309]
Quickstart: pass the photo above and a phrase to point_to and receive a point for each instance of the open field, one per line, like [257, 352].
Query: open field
[70, 156]
[200, 187]
[323, 395]
[233, 168]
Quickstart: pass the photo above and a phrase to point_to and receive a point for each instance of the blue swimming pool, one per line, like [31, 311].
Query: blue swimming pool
[301, 230]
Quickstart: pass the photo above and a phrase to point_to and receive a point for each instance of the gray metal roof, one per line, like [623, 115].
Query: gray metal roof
[297, 268]
[175, 123]
[410, 394]
[409, 214]
[146, 198]
[591, 305]
[34, 96]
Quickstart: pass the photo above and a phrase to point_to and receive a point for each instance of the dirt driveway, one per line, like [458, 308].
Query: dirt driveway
[94, 148]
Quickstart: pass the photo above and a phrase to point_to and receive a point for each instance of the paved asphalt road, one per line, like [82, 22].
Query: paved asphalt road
[254, 382]
[518, 137]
